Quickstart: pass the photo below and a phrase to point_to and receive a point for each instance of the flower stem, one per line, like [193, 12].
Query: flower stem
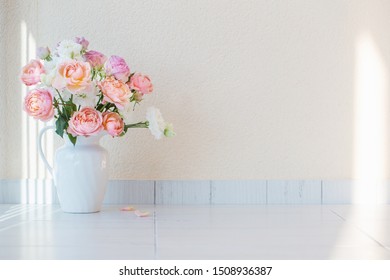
[57, 103]
[100, 99]
[138, 125]
[63, 111]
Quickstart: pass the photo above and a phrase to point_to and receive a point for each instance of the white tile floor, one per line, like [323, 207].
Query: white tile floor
[197, 232]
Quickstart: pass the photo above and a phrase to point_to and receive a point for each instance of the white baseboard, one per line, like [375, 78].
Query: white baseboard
[201, 192]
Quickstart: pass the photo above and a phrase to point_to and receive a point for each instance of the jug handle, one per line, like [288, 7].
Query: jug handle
[40, 149]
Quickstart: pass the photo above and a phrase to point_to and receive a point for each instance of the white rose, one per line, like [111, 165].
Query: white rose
[47, 79]
[86, 99]
[157, 124]
[66, 95]
[69, 49]
[50, 70]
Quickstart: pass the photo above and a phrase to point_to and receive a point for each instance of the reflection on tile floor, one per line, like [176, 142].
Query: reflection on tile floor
[197, 232]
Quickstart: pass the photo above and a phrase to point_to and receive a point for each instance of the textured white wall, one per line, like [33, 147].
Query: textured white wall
[255, 89]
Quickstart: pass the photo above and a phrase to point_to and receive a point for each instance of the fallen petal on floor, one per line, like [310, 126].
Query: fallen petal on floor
[128, 208]
[141, 213]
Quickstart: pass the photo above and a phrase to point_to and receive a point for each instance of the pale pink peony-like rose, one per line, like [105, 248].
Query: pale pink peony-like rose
[31, 73]
[38, 103]
[74, 75]
[115, 91]
[85, 122]
[113, 123]
[117, 67]
[141, 83]
[96, 59]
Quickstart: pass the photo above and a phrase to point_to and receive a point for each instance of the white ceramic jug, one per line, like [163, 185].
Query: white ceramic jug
[80, 173]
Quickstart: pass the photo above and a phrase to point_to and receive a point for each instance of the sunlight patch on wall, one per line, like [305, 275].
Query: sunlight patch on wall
[371, 105]
[32, 166]
[370, 148]
[23, 90]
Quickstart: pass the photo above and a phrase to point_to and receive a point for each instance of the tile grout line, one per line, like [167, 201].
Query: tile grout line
[211, 193]
[155, 233]
[341, 217]
[154, 192]
[1, 190]
[362, 231]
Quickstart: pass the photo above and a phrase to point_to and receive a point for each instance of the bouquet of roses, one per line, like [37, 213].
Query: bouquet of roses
[86, 92]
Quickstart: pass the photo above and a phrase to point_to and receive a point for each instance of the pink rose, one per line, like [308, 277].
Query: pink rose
[74, 75]
[38, 103]
[115, 91]
[82, 41]
[31, 73]
[117, 67]
[140, 83]
[113, 123]
[96, 59]
[85, 122]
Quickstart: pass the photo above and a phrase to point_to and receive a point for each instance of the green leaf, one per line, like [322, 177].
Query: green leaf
[70, 108]
[61, 124]
[72, 139]
[131, 75]
[99, 107]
